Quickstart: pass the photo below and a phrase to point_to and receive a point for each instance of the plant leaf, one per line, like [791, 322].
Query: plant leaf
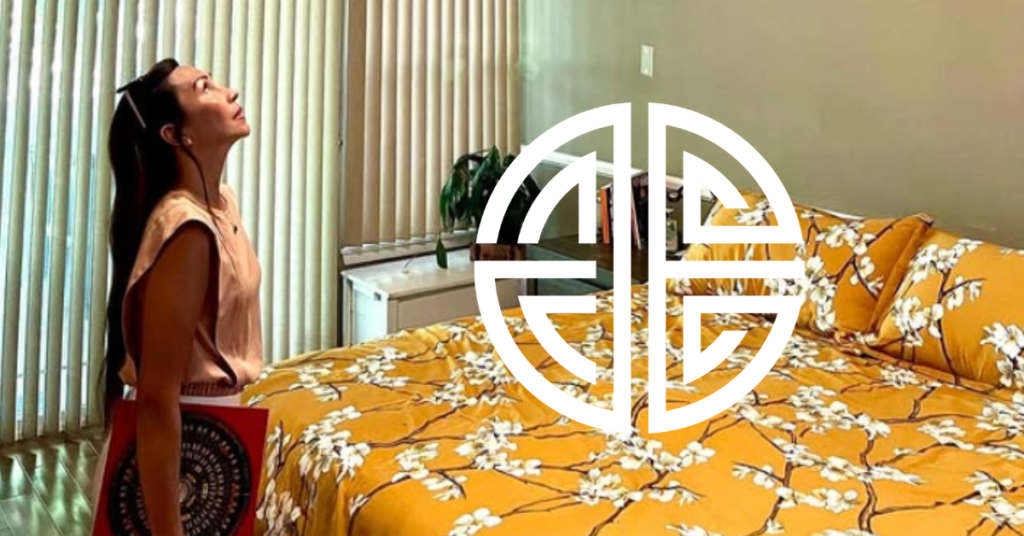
[460, 195]
[441, 253]
[445, 205]
[474, 177]
[494, 155]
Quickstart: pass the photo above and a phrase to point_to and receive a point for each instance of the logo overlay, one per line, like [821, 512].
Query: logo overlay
[697, 175]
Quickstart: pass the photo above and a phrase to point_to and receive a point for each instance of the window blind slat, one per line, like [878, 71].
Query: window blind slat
[476, 76]
[416, 191]
[432, 167]
[205, 20]
[314, 254]
[329, 221]
[232, 29]
[55, 355]
[84, 69]
[252, 146]
[403, 119]
[447, 135]
[487, 70]
[267, 170]
[186, 37]
[500, 90]
[129, 53]
[222, 26]
[355, 112]
[356, 68]
[282, 188]
[389, 100]
[296, 280]
[512, 98]
[16, 225]
[373, 117]
[168, 29]
[37, 225]
[461, 107]
[151, 16]
[6, 12]
[101, 227]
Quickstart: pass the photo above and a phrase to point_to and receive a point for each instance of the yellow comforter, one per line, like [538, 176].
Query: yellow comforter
[426, 433]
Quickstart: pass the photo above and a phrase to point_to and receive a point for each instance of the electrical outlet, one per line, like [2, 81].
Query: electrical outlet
[647, 60]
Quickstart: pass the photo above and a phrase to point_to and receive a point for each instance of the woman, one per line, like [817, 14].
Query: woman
[183, 316]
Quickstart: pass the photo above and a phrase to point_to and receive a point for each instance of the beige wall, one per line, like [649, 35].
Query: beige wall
[872, 107]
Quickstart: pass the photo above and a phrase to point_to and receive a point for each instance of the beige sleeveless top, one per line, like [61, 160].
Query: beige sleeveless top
[227, 352]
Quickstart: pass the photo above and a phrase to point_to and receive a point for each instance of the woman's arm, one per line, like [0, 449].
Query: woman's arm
[176, 289]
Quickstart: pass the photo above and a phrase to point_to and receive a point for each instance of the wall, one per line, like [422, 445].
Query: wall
[872, 107]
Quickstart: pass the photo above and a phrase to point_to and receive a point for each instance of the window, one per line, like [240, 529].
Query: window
[60, 61]
[428, 81]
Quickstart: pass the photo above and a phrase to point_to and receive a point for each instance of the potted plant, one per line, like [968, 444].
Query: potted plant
[464, 198]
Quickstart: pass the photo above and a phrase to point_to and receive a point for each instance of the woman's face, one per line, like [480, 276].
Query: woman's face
[213, 116]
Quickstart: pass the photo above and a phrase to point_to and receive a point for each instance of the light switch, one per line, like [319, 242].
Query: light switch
[647, 60]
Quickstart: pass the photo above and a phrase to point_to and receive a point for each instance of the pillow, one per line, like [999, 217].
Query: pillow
[853, 264]
[959, 309]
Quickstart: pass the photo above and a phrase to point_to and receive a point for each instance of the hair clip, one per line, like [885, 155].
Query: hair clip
[148, 80]
[126, 89]
[131, 102]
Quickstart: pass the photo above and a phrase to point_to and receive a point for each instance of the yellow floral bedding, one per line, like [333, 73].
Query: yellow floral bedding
[959, 311]
[853, 265]
[426, 433]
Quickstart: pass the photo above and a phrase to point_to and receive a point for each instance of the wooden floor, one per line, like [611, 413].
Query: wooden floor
[44, 486]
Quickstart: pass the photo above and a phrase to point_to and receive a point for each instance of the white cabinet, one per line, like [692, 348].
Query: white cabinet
[385, 298]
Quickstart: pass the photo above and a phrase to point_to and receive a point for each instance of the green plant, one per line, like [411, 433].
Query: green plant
[466, 192]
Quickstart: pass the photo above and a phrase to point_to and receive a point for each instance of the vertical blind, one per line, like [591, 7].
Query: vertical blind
[428, 81]
[60, 61]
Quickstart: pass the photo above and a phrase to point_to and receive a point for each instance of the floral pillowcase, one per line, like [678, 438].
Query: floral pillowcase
[853, 265]
[959, 309]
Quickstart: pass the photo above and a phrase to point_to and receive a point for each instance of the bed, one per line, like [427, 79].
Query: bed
[426, 433]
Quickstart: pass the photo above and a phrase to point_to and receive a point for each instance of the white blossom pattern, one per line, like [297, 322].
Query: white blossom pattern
[832, 442]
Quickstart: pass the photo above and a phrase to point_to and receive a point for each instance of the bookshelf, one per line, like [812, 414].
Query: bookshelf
[568, 248]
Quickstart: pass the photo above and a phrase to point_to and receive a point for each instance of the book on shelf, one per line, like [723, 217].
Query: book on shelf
[639, 204]
[606, 214]
[639, 192]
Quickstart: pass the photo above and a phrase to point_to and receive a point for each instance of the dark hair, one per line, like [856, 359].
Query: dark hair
[145, 169]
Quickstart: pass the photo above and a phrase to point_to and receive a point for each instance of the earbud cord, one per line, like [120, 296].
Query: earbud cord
[209, 207]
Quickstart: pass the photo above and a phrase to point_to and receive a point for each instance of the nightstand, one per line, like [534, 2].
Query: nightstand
[568, 248]
[384, 298]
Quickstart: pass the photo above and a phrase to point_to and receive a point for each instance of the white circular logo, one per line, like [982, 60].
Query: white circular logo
[697, 174]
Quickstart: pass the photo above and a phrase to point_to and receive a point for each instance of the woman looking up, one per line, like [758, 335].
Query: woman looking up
[184, 314]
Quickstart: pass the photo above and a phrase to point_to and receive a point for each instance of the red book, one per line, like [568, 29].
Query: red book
[221, 467]
[606, 219]
[635, 226]
[638, 209]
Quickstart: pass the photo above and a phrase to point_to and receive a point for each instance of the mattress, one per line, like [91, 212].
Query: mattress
[425, 432]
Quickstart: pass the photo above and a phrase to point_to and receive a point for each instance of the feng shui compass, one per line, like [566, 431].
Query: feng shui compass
[217, 486]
